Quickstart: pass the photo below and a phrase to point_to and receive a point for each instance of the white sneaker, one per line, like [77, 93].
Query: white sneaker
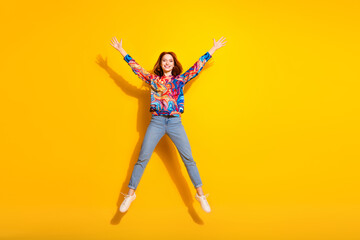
[127, 201]
[204, 203]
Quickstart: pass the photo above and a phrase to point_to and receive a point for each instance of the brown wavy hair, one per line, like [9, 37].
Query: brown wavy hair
[175, 71]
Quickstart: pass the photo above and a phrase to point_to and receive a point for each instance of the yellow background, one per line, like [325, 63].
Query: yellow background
[273, 120]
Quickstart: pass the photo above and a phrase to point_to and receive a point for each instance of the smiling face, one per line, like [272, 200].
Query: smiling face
[167, 63]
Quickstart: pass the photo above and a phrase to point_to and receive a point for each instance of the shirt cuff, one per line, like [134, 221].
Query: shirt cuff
[206, 56]
[127, 58]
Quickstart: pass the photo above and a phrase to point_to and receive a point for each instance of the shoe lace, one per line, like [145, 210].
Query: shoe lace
[126, 195]
[204, 196]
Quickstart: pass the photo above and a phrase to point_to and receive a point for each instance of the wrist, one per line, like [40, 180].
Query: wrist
[212, 50]
[122, 51]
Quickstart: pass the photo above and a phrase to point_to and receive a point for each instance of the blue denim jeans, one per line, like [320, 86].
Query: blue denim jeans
[172, 126]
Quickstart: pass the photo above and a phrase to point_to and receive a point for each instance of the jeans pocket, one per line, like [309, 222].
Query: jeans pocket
[156, 118]
[176, 120]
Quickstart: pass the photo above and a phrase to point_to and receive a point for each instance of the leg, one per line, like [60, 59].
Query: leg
[177, 134]
[154, 133]
[199, 191]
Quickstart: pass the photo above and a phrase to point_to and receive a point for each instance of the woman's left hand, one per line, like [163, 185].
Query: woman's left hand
[219, 43]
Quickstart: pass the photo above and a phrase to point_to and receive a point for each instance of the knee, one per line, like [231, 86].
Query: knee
[188, 157]
[189, 161]
[142, 162]
[144, 156]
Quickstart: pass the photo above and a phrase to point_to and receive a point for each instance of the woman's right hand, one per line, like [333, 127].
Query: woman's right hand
[117, 45]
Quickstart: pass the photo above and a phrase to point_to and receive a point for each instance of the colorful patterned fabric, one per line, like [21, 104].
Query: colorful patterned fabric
[167, 96]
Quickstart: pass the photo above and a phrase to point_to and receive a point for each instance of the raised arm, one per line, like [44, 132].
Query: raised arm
[136, 68]
[198, 66]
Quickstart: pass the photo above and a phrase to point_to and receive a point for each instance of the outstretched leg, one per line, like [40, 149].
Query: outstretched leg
[154, 133]
[177, 134]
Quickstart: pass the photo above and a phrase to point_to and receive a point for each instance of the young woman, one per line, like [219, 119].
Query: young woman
[167, 105]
